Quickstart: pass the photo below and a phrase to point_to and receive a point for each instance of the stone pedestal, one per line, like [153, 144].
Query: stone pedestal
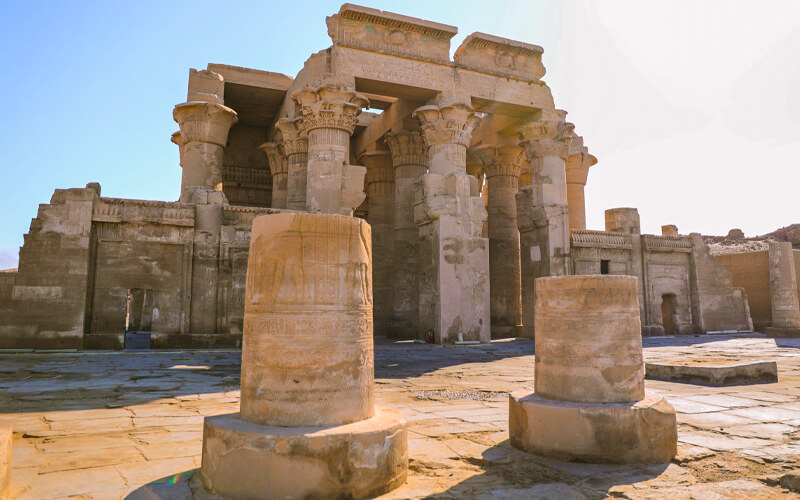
[295, 145]
[380, 186]
[203, 135]
[330, 110]
[308, 426]
[503, 165]
[589, 402]
[278, 167]
[410, 160]
[454, 257]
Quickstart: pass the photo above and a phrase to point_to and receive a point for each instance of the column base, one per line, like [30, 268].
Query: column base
[644, 432]
[359, 460]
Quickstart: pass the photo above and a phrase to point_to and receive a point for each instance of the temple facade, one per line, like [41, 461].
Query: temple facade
[470, 177]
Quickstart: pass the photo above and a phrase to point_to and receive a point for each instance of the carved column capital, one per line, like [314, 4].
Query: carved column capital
[407, 147]
[447, 123]
[577, 167]
[204, 122]
[549, 135]
[330, 104]
[275, 155]
[501, 159]
[295, 139]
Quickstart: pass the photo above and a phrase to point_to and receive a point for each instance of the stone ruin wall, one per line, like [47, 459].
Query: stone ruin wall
[84, 253]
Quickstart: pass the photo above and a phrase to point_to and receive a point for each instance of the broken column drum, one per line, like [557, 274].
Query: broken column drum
[308, 426]
[589, 402]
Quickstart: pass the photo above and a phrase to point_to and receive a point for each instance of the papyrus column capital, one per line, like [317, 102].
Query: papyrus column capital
[450, 122]
[276, 156]
[293, 132]
[501, 159]
[330, 103]
[204, 122]
[548, 135]
[407, 148]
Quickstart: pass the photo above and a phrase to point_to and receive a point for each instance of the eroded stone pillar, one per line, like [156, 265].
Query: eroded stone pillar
[205, 261]
[589, 402]
[307, 406]
[503, 165]
[454, 257]
[783, 291]
[295, 145]
[577, 170]
[204, 133]
[542, 211]
[410, 159]
[278, 166]
[330, 110]
[380, 185]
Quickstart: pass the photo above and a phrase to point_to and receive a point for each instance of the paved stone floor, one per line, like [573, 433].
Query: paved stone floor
[106, 425]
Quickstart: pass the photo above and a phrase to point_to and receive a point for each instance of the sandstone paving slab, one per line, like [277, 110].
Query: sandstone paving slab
[768, 414]
[690, 406]
[720, 442]
[714, 420]
[724, 400]
[89, 458]
[93, 483]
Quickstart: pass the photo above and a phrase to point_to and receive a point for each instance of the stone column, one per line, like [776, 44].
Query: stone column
[295, 145]
[205, 261]
[330, 110]
[308, 425]
[503, 166]
[577, 168]
[410, 159]
[380, 185]
[783, 291]
[454, 257]
[542, 212]
[278, 167]
[589, 402]
[204, 133]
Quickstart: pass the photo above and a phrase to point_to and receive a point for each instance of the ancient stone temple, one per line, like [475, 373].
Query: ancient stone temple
[470, 177]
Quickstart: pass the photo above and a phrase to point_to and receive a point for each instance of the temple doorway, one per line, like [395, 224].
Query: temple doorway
[669, 313]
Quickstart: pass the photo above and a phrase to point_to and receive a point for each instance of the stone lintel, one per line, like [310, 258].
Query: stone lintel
[252, 77]
[501, 56]
[378, 31]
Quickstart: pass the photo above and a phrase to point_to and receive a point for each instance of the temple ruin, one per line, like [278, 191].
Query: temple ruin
[470, 177]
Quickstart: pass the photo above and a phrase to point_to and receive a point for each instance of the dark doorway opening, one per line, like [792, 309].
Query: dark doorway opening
[669, 313]
[138, 318]
[604, 266]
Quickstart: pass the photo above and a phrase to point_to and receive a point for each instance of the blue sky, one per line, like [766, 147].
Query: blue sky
[691, 107]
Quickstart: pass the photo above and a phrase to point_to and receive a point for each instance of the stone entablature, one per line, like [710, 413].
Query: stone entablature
[600, 239]
[500, 56]
[125, 210]
[654, 243]
[390, 33]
